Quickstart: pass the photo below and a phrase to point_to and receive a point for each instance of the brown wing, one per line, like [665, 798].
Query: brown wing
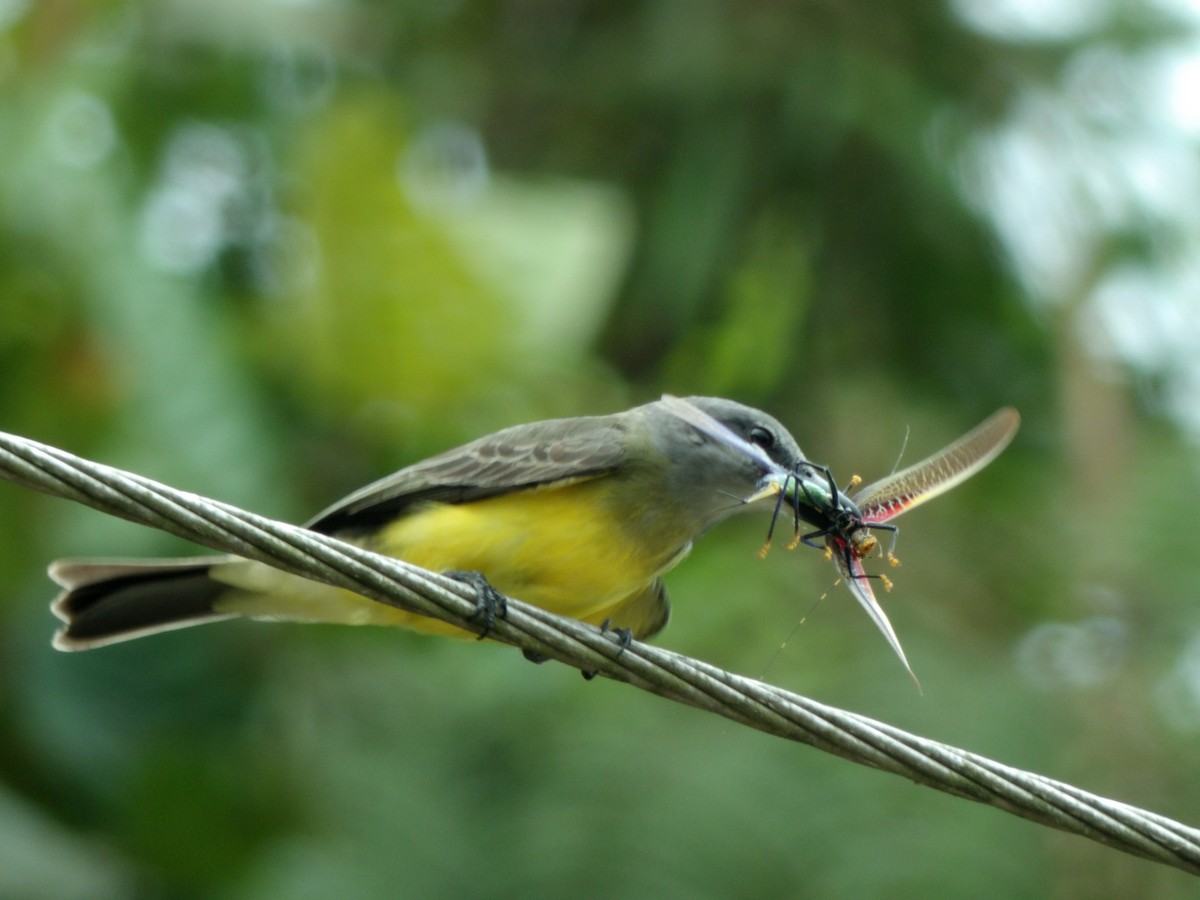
[525, 456]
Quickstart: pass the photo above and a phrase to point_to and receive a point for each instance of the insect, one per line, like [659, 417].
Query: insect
[814, 497]
[845, 522]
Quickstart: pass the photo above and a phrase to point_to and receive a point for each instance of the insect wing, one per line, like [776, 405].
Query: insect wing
[860, 586]
[889, 497]
[702, 421]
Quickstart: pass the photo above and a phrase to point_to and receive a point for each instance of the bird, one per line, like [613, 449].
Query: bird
[580, 516]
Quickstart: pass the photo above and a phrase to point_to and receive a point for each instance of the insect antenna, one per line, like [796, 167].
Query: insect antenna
[903, 447]
[791, 634]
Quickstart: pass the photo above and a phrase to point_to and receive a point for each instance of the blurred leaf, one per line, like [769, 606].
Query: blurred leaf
[39, 858]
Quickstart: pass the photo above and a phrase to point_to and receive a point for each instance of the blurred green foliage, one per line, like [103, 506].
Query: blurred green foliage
[271, 251]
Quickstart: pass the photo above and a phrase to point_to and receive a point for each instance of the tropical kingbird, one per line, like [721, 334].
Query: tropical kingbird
[580, 516]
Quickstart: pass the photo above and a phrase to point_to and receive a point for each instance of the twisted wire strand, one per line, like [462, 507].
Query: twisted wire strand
[756, 704]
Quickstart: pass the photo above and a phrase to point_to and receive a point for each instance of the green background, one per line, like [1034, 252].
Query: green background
[271, 251]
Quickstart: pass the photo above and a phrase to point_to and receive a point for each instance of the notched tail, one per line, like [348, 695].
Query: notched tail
[108, 601]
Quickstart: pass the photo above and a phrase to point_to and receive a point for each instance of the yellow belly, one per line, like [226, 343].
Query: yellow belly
[561, 548]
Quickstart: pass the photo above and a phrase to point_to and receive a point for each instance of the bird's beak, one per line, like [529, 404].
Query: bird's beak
[767, 488]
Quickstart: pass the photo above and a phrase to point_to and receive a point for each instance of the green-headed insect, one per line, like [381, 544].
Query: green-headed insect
[845, 522]
[813, 494]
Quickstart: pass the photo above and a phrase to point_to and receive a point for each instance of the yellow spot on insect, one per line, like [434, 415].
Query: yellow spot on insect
[828, 553]
[886, 582]
[766, 548]
[863, 544]
[892, 559]
[794, 542]
[855, 481]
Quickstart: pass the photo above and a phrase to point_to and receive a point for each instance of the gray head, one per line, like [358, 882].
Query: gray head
[708, 473]
[753, 426]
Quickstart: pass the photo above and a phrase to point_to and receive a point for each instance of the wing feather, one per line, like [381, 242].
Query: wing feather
[860, 586]
[888, 497]
[524, 456]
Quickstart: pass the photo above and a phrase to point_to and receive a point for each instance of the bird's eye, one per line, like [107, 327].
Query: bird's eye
[762, 437]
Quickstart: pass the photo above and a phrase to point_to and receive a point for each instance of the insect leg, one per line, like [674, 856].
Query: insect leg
[891, 552]
[766, 547]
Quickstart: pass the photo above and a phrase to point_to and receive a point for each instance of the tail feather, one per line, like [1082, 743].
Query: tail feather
[107, 601]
